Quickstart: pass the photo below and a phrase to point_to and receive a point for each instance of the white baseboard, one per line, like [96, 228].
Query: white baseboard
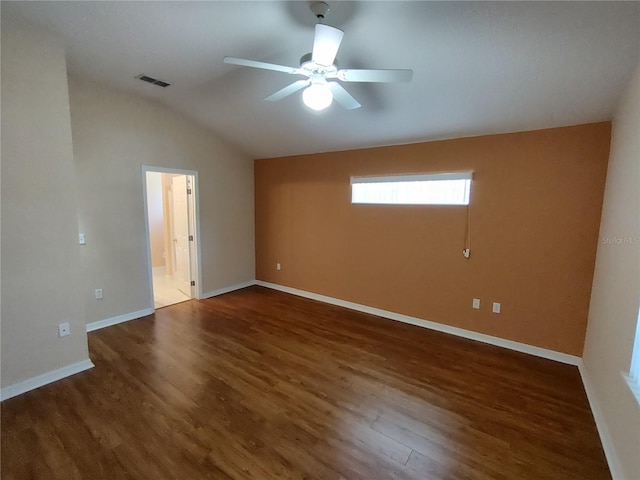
[460, 332]
[44, 379]
[107, 322]
[609, 450]
[603, 430]
[224, 290]
[148, 311]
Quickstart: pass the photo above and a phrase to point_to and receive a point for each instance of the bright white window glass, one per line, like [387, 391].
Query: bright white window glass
[423, 189]
[634, 371]
[633, 379]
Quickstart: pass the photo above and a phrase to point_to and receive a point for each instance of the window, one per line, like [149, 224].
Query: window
[634, 371]
[423, 189]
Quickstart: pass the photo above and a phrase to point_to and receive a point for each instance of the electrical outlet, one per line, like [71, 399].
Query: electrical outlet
[81, 239]
[476, 303]
[98, 294]
[496, 307]
[466, 253]
[277, 266]
[64, 329]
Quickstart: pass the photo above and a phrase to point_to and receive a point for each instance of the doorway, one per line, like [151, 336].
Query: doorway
[171, 213]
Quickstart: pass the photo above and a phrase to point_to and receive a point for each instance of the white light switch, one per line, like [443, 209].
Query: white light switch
[277, 266]
[476, 303]
[496, 307]
[64, 329]
[81, 239]
[98, 293]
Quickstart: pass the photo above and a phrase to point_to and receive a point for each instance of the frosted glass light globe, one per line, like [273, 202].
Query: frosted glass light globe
[317, 96]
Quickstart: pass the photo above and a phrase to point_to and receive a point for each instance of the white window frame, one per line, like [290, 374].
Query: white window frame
[397, 197]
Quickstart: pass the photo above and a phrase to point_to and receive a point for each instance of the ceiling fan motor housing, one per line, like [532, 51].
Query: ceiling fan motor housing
[320, 9]
[312, 68]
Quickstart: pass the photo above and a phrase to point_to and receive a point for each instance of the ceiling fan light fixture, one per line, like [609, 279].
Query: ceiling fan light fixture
[323, 77]
[317, 96]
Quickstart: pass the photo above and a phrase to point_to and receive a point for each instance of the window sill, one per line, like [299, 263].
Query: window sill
[633, 385]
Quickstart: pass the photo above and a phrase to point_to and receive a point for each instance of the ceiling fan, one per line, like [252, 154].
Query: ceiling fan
[320, 69]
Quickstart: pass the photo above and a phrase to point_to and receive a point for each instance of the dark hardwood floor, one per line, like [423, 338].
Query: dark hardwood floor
[258, 384]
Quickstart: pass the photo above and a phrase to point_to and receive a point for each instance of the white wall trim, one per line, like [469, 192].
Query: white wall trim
[460, 332]
[44, 379]
[603, 431]
[605, 437]
[224, 290]
[107, 322]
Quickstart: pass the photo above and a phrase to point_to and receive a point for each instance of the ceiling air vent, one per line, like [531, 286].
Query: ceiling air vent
[154, 81]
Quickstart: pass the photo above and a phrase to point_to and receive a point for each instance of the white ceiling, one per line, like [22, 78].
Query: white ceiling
[479, 67]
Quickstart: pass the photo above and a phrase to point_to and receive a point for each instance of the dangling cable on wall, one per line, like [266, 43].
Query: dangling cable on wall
[466, 252]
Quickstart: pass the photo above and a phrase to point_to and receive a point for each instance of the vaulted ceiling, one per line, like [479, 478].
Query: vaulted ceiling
[479, 67]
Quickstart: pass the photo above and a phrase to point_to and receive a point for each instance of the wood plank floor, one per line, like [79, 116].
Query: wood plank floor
[258, 384]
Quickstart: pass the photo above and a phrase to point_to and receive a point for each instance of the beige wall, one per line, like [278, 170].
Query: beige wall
[536, 200]
[114, 134]
[40, 251]
[615, 298]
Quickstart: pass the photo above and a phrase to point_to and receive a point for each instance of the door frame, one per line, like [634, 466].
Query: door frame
[196, 263]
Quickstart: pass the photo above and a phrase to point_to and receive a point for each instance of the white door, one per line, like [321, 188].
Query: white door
[182, 272]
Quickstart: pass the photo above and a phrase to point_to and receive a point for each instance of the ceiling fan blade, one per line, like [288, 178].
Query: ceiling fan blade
[357, 75]
[288, 90]
[343, 97]
[325, 44]
[266, 66]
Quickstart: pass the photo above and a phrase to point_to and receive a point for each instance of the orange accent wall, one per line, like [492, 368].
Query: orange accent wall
[536, 199]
